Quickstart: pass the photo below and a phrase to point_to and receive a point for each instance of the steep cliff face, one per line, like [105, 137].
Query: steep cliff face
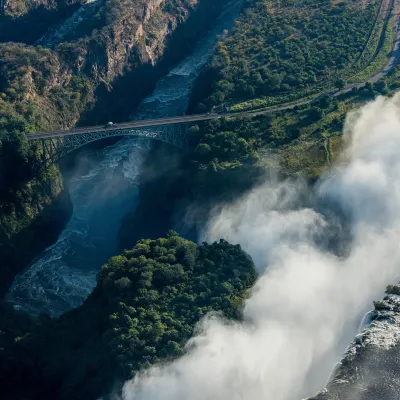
[135, 33]
[88, 49]
[370, 367]
[100, 42]
[50, 86]
[21, 7]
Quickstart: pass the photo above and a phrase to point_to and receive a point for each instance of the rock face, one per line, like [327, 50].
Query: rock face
[85, 52]
[21, 7]
[134, 32]
[137, 36]
[98, 43]
[370, 367]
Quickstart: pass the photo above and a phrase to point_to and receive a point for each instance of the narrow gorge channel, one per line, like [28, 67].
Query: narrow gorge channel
[65, 273]
[297, 211]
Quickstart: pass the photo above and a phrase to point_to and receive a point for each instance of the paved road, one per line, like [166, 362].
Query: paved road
[126, 125]
[160, 121]
[205, 117]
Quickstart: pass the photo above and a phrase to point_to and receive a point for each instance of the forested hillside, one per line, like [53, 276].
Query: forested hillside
[16, 8]
[68, 63]
[291, 53]
[283, 50]
[63, 64]
[302, 141]
[143, 310]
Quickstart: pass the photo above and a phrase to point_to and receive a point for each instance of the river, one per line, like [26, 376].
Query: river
[62, 276]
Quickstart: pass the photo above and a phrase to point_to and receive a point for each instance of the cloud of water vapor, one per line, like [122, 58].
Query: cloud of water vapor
[308, 301]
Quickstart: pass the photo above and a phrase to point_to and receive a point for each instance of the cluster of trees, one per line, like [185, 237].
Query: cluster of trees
[230, 143]
[30, 72]
[161, 289]
[143, 310]
[44, 89]
[273, 51]
[225, 143]
[26, 75]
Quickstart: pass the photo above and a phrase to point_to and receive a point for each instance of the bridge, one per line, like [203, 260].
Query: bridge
[172, 130]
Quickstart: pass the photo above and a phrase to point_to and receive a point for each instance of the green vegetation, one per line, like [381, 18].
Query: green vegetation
[373, 40]
[281, 53]
[20, 7]
[30, 101]
[35, 94]
[77, 81]
[391, 82]
[148, 300]
[380, 59]
[304, 140]
[143, 310]
[287, 52]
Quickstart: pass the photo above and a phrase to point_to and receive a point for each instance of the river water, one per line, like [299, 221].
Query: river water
[65, 273]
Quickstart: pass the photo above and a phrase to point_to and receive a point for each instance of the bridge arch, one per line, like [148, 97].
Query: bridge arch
[57, 147]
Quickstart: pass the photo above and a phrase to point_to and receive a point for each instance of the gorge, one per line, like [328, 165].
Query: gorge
[61, 278]
[309, 195]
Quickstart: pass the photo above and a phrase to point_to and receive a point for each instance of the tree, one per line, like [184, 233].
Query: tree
[325, 101]
[369, 87]
[123, 283]
[113, 335]
[315, 114]
[203, 149]
[340, 83]
[194, 129]
[381, 87]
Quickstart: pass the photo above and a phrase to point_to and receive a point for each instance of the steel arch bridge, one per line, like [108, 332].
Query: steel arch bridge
[56, 146]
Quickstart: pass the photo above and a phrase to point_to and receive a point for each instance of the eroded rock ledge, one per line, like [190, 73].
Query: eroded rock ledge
[370, 367]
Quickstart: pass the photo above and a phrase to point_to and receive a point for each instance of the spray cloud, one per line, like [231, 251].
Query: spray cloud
[308, 300]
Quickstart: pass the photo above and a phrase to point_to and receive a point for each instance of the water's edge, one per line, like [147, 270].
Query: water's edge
[65, 273]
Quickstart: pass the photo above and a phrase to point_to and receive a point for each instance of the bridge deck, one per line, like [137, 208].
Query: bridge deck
[127, 125]
[395, 56]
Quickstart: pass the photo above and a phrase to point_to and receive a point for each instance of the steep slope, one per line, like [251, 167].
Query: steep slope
[21, 7]
[282, 51]
[91, 69]
[369, 369]
[61, 80]
[143, 310]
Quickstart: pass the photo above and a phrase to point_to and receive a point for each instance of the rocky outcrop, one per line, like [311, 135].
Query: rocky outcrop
[370, 367]
[20, 7]
[134, 34]
[51, 85]
[99, 43]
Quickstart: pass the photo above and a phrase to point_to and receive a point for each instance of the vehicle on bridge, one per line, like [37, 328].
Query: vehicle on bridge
[109, 124]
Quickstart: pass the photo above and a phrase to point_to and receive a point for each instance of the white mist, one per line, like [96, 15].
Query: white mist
[307, 302]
